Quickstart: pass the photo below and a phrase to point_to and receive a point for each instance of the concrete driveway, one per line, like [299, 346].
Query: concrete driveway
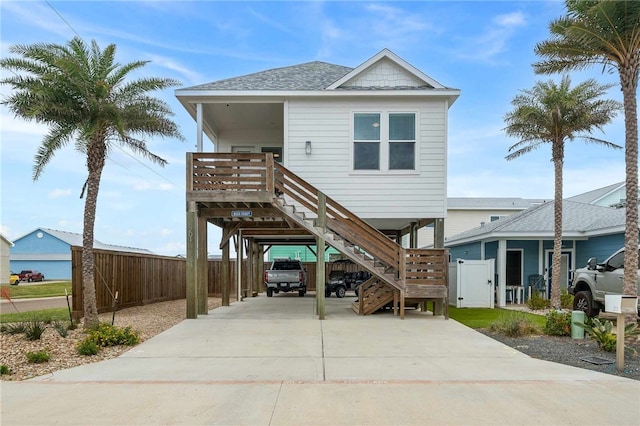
[269, 361]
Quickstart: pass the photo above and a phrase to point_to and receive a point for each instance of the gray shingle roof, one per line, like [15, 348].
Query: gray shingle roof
[596, 194]
[308, 76]
[576, 218]
[492, 203]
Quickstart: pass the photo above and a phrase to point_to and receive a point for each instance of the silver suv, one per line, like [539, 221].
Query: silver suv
[590, 284]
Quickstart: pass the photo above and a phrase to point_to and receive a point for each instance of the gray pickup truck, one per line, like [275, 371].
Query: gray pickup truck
[591, 283]
[285, 275]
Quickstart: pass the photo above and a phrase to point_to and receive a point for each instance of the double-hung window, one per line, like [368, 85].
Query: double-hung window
[384, 141]
[366, 141]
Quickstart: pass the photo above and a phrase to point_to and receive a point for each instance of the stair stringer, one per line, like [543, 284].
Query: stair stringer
[337, 243]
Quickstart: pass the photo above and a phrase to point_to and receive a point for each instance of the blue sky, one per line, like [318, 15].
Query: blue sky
[485, 49]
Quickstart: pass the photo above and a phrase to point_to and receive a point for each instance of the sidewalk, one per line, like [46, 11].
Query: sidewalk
[269, 361]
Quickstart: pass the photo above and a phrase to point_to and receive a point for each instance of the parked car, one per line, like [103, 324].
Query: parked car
[285, 275]
[30, 275]
[14, 278]
[591, 283]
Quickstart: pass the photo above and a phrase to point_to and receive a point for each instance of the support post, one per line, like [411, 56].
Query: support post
[203, 267]
[320, 277]
[256, 251]
[502, 272]
[225, 272]
[438, 233]
[239, 250]
[192, 255]
[199, 126]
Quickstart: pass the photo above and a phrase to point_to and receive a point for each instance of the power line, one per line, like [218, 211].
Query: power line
[64, 20]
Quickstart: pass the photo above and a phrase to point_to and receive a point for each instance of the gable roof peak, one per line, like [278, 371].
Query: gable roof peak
[397, 60]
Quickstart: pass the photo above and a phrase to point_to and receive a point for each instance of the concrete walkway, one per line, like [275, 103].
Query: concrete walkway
[269, 361]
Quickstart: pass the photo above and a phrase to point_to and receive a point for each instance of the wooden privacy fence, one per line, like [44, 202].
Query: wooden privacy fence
[142, 279]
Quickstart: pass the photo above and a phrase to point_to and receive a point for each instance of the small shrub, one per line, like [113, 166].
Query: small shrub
[34, 329]
[600, 331]
[537, 303]
[87, 347]
[61, 328]
[38, 357]
[558, 323]
[514, 325]
[4, 369]
[14, 328]
[111, 335]
[566, 300]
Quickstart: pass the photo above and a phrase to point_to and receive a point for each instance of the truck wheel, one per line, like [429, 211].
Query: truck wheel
[340, 292]
[583, 301]
[301, 292]
[269, 292]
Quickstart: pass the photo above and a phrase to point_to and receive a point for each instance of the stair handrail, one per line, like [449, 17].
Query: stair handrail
[340, 219]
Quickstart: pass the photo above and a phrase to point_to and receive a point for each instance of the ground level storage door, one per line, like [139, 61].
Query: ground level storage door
[474, 282]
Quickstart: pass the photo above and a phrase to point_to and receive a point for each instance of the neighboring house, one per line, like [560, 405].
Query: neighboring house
[49, 251]
[522, 243]
[467, 213]
[610, 196]
[374, 137]
[5, 245]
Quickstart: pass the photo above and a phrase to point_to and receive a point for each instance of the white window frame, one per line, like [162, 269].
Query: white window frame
[384, 143]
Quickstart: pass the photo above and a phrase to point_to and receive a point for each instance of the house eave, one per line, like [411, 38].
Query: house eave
[275, 96]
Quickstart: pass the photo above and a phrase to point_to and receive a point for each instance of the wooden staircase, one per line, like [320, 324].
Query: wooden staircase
[397, 273]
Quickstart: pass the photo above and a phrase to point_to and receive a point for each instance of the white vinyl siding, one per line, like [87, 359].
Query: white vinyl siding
[328, 124]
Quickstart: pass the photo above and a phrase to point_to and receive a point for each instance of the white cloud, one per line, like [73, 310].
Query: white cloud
[57, 193]
[494, 41]
[514, 19]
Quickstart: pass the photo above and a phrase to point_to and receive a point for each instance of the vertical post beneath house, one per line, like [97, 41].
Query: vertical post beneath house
[225, 270]
[320, 266]
[192, 255]
[248, 285]
[320, 277]
[438, 233]
[240, 250]
[255, 265]
[203, 267]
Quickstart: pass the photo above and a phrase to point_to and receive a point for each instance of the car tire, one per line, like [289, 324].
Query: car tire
[301, 292]
[327, 293]
[29, 280]
[583, 301]
[269, 292]
[340, 292]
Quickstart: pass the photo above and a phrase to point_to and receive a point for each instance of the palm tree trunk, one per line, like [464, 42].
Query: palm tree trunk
[556, 264]
[95, 164]
[629, 83]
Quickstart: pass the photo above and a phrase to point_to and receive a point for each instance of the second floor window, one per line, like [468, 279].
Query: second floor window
[384, 141]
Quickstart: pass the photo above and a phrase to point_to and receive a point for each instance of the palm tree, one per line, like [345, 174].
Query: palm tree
[553, 114]
[83, 96]
[605, 33]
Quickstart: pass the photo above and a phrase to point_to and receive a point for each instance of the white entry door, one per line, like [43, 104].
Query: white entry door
[475, 283]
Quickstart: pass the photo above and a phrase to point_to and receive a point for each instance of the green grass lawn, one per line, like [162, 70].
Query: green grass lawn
[40, 290]
[484, 317]
[57, 314]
